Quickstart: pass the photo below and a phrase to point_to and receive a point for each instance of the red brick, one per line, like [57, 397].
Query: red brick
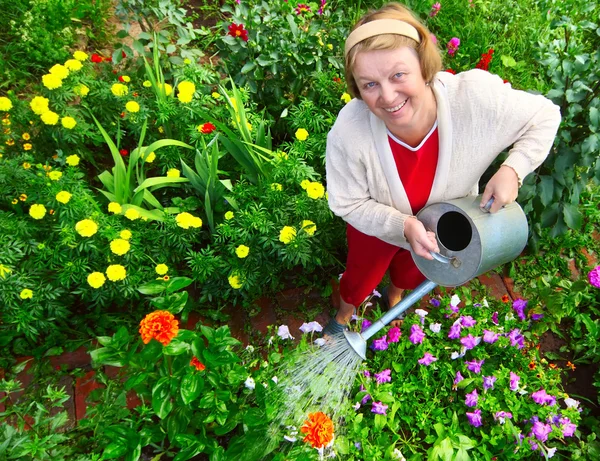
[237, 323]
[193, 319]
[510, 286]
[573, 269]
[78, 358]
[591, 258]
[494, 283]
[265, 317]
[133, 400]
[83, 387]
[290, 299]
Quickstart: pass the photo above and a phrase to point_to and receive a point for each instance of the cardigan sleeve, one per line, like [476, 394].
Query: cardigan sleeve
[350, 198]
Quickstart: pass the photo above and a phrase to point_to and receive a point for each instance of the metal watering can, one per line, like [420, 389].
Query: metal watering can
[472, 241]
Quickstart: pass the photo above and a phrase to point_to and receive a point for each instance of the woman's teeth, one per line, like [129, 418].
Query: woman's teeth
[398, 107]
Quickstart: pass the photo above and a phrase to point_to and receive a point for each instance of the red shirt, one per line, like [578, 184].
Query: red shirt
[416, 167]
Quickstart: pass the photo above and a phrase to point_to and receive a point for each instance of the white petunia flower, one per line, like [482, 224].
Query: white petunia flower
[320, 342]
[435, 327]
[284, 332]
[421, 313]
[250, 384]
[454, 301]
[310, 327]
[571, 403]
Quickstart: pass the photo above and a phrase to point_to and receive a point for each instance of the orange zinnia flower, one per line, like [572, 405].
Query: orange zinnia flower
[505, 298]
[197, 363]
[318, 429]
[159, 325]
[571, 366]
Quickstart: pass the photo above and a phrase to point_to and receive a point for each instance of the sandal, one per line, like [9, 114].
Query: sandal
[385, 303]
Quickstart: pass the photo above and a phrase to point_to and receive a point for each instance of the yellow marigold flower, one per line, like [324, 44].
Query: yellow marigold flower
[161, 269]
[229, 215]
[168, 89]
[55, 175]
[161, 129]
[37, 211]
[329, 46]
[150, 157]
[283, 155]
[27, 146]
[249, 126]
[68, 122]
[63, 197]
[80, 55]
[86, 227]
[346, 98]
[14, 201]
[45, 167]
[147, 83]
[96, 279]
[276, 186]
[119, 246]
[132, 214]
[309, 227]
[242, 251]
[118, 89]
[186, 87]
[5, 104]
[114, 207]
[72, 160]
[26, 136]
[23, 197]
[73, 64]
[39, 105]
[126, 78]
[287, 234]
[186, 220]
[301, 134]
[59, 71]
[26, 293]
[26, 165]
[235, 282]
[125, 234]
[315, 190]
[116, 272]
[161, 326]
[187, 61]
[81, 90]
[51, 82]
[185, 98]
[132, 107]
[10, 142]
[173, 173]
[215, 95]
[4, 270]
[50, 118]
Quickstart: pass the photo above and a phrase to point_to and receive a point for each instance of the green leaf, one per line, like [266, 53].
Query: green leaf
[546, 189]
[152, 288]
[248, 67]
[177, 283]
[114, 450]
[161, 397]
[591, 144]
[595, 116]
[508, 61]
[572, 215]
[176, 347]
[159, 181]
[192, 385]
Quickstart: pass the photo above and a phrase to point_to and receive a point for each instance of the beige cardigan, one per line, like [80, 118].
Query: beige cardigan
[478, 115]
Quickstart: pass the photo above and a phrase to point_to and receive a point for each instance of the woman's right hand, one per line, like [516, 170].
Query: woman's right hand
[421, 241]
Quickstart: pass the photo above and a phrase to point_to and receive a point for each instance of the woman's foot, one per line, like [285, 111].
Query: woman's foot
[390, 296]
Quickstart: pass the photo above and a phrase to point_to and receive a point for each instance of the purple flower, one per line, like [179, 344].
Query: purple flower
[365, 324]
[567, 427]
[434, 302]
[594, 277]
[537, 317]
[500, 416]
[488, 382]
[416, 334]
[468, 321]
[365, 399]
[471, 399]
[475, 418]
[357, 445]
[542, 398]
[541, 431]
[475, 366]
[379, 408]
[453, 45]
[516, 338]
[457, 379]
[519, 306]
[427, 359]
[380, 344]
[495, 318]
[394, 335]
[454, 308]
[367, 374]
[454, 332]
[470, 341]
[435, 9]
[514, 381]
[489, 336]
[384, 376]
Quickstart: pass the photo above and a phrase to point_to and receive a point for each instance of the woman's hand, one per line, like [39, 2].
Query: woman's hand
[504, 187]
[421, 241]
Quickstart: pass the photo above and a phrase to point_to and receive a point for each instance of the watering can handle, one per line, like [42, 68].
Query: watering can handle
[488, 205]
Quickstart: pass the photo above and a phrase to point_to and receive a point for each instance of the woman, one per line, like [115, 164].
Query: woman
[413, 136]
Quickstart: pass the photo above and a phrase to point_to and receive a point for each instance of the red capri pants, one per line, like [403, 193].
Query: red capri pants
[369, 257]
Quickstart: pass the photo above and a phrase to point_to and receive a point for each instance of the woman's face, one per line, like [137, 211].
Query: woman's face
[392, 86]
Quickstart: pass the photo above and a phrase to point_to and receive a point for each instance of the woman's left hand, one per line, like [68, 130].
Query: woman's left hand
[504, 187]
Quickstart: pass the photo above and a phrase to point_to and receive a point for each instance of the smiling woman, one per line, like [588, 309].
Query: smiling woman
[414, 136]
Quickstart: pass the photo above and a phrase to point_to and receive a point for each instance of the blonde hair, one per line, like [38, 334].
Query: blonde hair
[429, 56]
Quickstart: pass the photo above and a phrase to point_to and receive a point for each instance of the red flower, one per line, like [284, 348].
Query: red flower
[505, 298]
[122, 114]
[486, 58]
[337, 80]
[96, 58]
[124, 152]
[207, 128]
[108, 59]
[302, 8]
[450, 71]
[121, 79]
[196, 363]
[123, 55]
[237, 30]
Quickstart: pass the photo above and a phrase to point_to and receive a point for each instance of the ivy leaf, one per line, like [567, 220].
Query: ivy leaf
[546, 189]
[572, 216]
[590, 144]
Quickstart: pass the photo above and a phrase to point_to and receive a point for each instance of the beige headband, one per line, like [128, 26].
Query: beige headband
[380, 27]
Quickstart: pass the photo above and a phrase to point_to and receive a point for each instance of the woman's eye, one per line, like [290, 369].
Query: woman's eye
[399, 75]
[370, 85]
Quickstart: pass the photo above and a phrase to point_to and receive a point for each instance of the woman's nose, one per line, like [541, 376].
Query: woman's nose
[387, 94]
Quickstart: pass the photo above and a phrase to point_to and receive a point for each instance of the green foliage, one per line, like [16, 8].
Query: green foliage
[552, 195]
